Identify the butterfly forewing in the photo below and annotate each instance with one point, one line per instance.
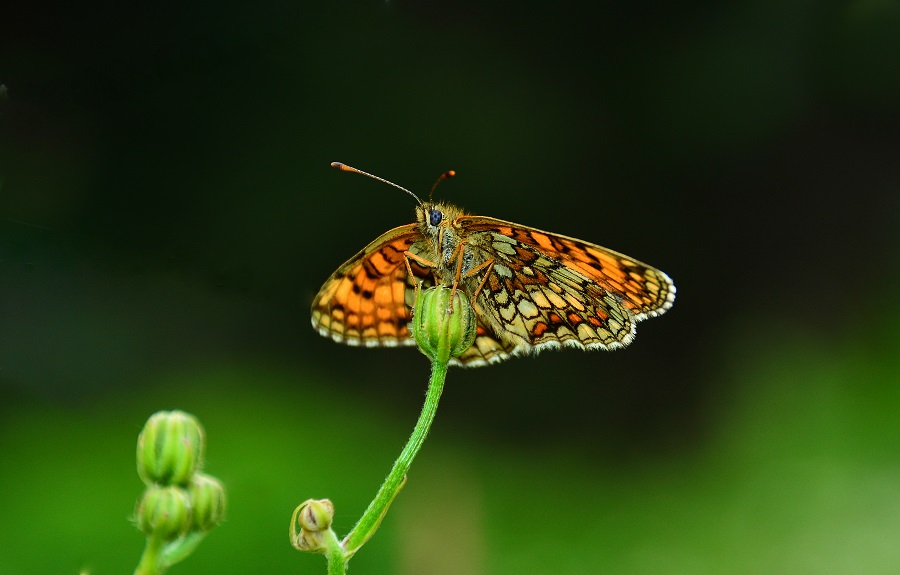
(537, 301)
(368, 300)
(644, 290)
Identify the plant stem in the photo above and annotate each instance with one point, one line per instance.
(372, 517)
(149, 563)
(337, 559)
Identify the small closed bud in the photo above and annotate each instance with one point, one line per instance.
(207, 502)
(311, 526)
(169, 448)
(443, 326)
(164, 512)
(316, 515)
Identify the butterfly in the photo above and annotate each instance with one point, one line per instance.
(532, 290)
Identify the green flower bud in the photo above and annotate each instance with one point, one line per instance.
(169, 448)
(311, 525)
(207, 502)
(164, 512)
(443, 327)
(316, 515)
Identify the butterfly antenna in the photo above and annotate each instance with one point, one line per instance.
(446, 175)
(346, 168)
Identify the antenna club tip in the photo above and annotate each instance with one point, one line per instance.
(338, 165)
(451, 173)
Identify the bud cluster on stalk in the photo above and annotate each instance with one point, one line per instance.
(179, 498)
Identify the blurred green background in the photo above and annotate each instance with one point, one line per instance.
(167, 213)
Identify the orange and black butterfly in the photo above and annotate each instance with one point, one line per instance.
(531, 290)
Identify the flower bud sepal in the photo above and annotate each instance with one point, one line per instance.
(444, 323)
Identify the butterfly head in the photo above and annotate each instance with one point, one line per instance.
(433, 215)
(437, 221)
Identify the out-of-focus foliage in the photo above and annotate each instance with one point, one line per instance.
(167, 213)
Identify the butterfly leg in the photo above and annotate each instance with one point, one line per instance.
(458, 254)
(408, 255)
(489, 264)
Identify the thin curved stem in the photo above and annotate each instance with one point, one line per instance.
(371, 519)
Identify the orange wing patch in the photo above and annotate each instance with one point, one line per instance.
(367, 300)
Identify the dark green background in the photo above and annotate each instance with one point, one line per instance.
(167, 213)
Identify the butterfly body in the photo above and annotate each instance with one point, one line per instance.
(531, 290)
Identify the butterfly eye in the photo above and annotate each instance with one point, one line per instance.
(435, 217)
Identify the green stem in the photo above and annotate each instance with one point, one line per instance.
(372, 517)
(337, 559)
(149, 563)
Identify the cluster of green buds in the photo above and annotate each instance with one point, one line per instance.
(180, 504)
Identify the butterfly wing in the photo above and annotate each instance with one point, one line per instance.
(368, 300)
(543, 291)
(547, 290)
(487, 348)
